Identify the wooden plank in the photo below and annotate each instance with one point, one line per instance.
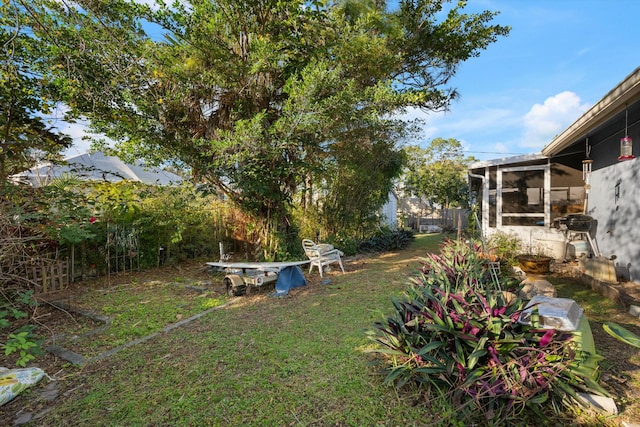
(262, 266)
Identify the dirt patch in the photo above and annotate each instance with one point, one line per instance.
(620, 369)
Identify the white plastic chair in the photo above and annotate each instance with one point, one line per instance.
(321, 255)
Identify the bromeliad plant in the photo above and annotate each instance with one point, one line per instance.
(456, 333)
(462, 265)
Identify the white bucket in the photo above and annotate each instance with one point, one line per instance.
(553, 248)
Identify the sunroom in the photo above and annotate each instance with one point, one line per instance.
(529, 196)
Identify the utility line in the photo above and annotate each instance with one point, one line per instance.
(492, 152)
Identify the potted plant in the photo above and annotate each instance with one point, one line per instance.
(535, 260)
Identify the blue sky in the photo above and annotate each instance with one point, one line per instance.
(561, 57)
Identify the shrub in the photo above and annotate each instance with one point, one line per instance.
(18, 336)
(456, 334)
(505, 246)
(386, 240)
(346, 244)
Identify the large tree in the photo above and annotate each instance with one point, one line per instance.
(27, 96)
(261, 97)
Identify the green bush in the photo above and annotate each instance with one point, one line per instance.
(455, 333)
(346, 244)
(18, 337)
(385, 240)
(505, 246)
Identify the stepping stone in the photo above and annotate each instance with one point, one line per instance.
(23, 419)
(68, 355)
(601, 403)
(50, 392)
(537, 286)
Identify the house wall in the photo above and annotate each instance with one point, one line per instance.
(390, 212)
(614, 197)
(614, 203)
(548, 241)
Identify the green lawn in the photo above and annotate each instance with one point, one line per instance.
(293, 361)
(264, 361)
(138, 310)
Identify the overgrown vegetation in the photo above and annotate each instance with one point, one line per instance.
(269, 102)
(456, 333)
(16, 337)
(72, 230)
(108, 227)
(504, 246)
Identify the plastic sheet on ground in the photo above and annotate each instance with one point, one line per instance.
(289, 278)
(15, 381)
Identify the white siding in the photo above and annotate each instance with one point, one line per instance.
(614, 202)
(390, 212)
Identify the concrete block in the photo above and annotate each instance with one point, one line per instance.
(562, 314)
(533, 286)
(600, 403)
(68, 355)
(518, 272)
(600, 268)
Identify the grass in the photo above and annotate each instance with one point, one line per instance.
(137, 310)
(263, 361)
(621, 366)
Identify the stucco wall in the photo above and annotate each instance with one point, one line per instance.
(614, 202)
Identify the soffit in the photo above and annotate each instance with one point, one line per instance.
(615, 102)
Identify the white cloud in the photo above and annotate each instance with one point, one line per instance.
(484, 120)
(500, 148)
(543, 122)
(78, 131)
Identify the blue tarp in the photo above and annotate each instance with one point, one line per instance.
(289, 278)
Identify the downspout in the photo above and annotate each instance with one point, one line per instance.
(482, 178)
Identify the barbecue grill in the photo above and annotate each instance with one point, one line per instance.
(577, 222)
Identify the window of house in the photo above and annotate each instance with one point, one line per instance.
(517, 195)
(522, 195)
(567, 191)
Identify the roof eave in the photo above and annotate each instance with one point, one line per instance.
(507, 161)
(627, 92)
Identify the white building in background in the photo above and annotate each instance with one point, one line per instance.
(97, 167)
(389, 212)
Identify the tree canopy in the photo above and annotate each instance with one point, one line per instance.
(261, 98)
(438, 173)
(27, 95)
